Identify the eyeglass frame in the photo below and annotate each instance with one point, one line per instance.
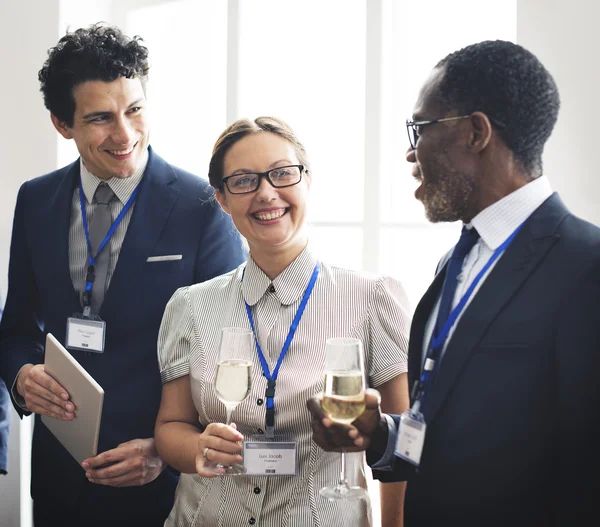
(224, 181)
(410, 126)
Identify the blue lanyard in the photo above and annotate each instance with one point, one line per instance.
(89, 278)
(272, 377)
(436, 344)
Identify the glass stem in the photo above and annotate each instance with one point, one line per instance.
(343, 482)
(229, 410)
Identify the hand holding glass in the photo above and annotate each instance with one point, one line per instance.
(343, 400)
(233, 378)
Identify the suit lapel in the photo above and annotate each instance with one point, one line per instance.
(54, 237)
(153, 206)
(417, 329)
(521, 258)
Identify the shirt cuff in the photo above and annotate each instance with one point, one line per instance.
(386, 461)
(17, 397)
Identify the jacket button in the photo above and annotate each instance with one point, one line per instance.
(251, 521)
(256, 490)
(259, 402)
(261, 431)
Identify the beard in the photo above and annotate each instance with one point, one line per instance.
(447, 195)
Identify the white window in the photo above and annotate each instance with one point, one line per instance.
(343, 73)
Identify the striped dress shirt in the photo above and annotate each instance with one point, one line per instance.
(343, 304)
(78, 251)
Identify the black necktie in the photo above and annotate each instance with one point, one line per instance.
(101, 222)
(468, 238)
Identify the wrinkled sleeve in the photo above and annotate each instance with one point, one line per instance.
(389, 320)
(175, 337)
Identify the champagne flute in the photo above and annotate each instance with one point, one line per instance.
(233, 378)
(343, 400)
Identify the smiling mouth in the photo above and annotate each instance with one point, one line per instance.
(120, 153)
(269, 215)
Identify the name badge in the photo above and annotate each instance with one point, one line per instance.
(270, 458)
(85, 334)
(411, 436)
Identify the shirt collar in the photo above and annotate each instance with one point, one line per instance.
(289, 285)
(122, 187)
(498, 221)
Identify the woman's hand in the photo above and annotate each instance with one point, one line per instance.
(218, 444)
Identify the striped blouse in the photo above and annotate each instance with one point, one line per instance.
(343, 304)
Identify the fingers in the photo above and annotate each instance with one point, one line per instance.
(132, 463)
(228, 433)
(43, 395)
(209, 466)
(219, 444)
(105, 458)
(221, 439)
(372, 399)
(314, 407)
(332, 436)
(127, 473)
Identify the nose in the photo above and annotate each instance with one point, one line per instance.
(265, 191)
(122, 133)
(411, 155)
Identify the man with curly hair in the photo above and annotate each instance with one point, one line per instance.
(103, 243)
(504, 347)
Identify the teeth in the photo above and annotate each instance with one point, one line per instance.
(270, 215)
(121, 152)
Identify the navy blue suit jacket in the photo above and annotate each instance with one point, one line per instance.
(174, 213)
(513, 416)
(4, 420)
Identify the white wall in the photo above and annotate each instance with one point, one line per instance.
(564, 36)
(562, 33)
(27, 149)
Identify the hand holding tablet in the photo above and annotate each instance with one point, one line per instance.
(80, 434)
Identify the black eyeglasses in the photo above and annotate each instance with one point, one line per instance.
(279, 177)
(412, 127)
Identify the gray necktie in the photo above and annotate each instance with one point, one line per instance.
(99, 226)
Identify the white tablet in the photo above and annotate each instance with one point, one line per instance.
(80, 435)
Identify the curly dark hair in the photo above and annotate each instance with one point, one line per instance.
(510, 85)
(98, 52)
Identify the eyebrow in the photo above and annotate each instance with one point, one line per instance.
(271, 167)
(101, 113)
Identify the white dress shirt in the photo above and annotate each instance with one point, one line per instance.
(494, 224)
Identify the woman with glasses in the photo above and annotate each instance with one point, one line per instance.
(292, 302)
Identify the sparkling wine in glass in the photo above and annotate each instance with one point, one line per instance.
(233, 377)
(343, 400)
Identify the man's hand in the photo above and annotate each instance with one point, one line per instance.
(131, 464)
(42, 394)
(332, 436)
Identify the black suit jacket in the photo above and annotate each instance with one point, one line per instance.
(174, 214)
(513, 416)
(4, 420)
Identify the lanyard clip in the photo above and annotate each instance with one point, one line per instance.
(416, 389)
(270, 392)
(270, 423)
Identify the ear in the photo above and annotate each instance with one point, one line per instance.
(222, 199)
(61, 127)
(308, 177)
(481, 131)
